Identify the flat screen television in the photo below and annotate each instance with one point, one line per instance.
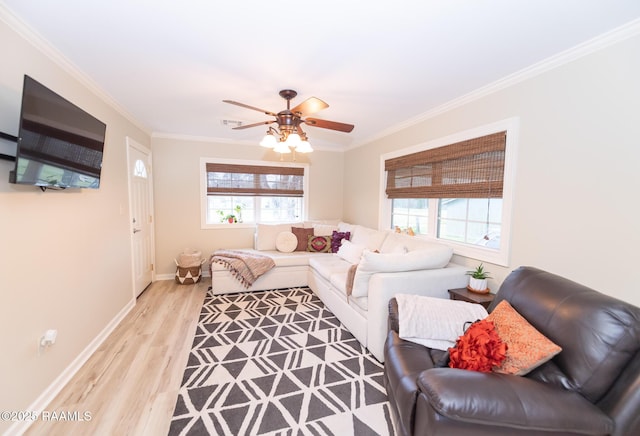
(59, 145)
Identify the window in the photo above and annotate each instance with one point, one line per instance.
(240, 192)
(456, 190)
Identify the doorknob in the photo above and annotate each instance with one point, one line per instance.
(136, 231)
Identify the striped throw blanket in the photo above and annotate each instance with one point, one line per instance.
(245, 266)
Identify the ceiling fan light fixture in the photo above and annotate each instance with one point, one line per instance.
(269, 141)
(293, 140)
(282, 147)
(288, 136)
(304, 147)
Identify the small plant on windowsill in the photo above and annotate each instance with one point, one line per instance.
(478, 280)
(228, 218)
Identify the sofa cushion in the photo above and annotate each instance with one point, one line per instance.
(350, 252)
(399, 242)
(433, 257)
(286, 242)
(504, 404)
(527, 347)
(370, 238)
(266, 235)
(303, 237)
(328, 264)
(323, 229)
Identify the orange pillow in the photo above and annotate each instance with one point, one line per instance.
(527, 348)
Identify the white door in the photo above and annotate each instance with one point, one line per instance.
(141, 207)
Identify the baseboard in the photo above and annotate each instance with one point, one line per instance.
(19, 427)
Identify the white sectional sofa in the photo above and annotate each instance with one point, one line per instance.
(387, 263)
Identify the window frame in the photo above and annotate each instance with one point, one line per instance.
(500, 256)
(203, 188)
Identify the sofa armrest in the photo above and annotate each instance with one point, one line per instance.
(384, 286)
(505, 402)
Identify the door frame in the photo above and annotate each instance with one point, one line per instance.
(132, 143)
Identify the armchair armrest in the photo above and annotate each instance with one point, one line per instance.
(507, 403)
(393, 323)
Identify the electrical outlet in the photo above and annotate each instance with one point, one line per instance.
(48, 339)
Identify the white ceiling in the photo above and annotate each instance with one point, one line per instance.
(377, 63)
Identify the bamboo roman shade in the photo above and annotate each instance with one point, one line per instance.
(254, 180)
(468, 169)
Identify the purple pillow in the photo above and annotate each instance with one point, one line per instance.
(336, 240)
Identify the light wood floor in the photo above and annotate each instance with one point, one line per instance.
(130, 384)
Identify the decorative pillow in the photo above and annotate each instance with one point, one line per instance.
(350, 252)
(479, 349)
(336, 240)
(303, 237)
(434, 322)
(319, 244)
(527, 348)
(286, 242)
(436, 256)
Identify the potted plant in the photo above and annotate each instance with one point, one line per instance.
(478, 280)
(231, 218)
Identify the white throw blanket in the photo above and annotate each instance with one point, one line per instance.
(435, 322)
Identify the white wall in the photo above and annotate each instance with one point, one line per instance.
(65, 258)
(176, 166)
(576, 210)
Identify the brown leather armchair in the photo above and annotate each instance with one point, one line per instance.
(591, 388)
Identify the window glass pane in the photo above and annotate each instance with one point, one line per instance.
(140, 169)
(410, 212)
(475, 221)
(221, 208)
(453, 208)
(280, 209)
(451, 230)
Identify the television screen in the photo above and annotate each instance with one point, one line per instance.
(59, 144)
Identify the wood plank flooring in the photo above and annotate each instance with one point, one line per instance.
(130, 384)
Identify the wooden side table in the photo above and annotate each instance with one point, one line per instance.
(464, 294)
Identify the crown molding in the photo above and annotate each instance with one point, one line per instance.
(47, 49)
(583, 49)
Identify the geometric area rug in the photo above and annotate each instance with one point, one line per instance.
(278, 363)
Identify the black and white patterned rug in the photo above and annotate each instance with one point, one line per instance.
(278, 363)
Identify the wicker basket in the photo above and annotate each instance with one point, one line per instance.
(189, 267)
(188, 275)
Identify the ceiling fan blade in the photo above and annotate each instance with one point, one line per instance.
(325, 124)
(248, 126)
(249, 107)
(309, 106)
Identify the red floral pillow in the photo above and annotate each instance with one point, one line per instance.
(479, 349)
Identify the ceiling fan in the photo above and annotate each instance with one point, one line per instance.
(289, 132)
